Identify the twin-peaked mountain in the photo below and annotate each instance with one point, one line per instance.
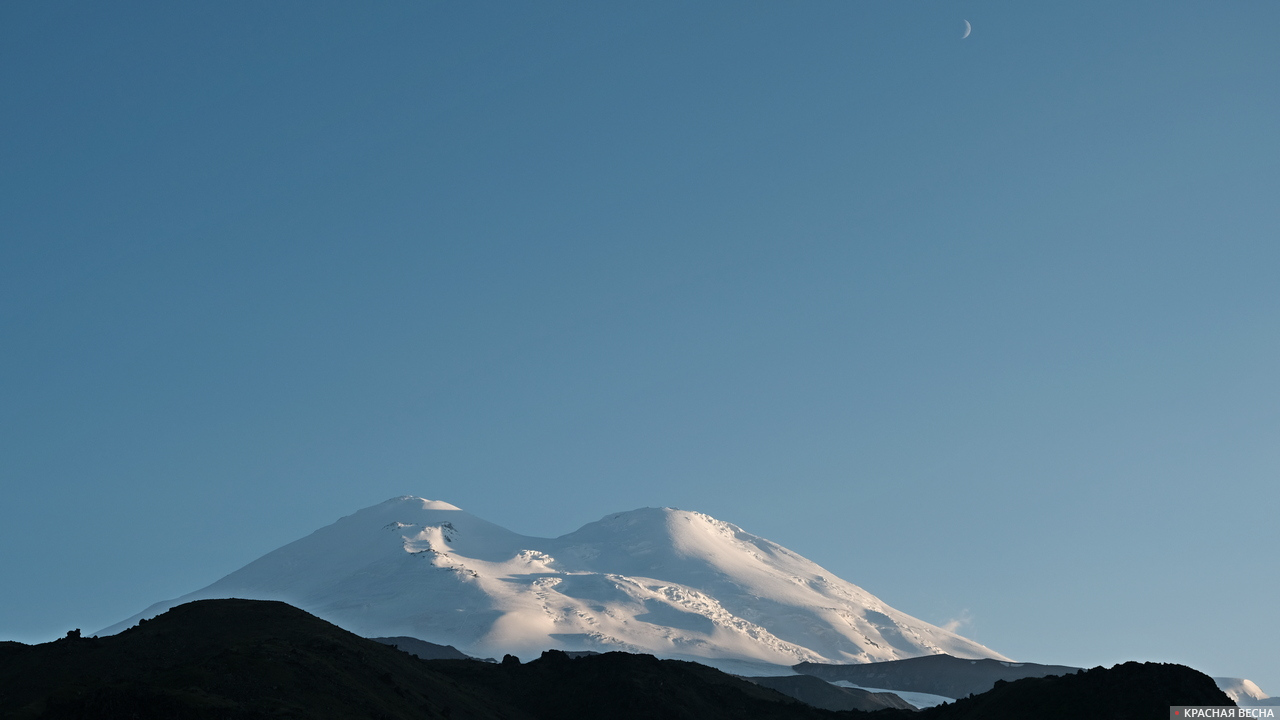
(657, 580)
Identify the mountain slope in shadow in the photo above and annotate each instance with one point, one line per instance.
(943, 675)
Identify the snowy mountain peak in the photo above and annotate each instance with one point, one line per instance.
(670, 582)
(1241, 691)
(648, 523)
(412, 501)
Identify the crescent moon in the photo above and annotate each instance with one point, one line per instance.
(967, 29)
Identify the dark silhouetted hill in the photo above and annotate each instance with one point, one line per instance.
(230, 659)
(258, 659)
(247, 659)
(1132, 691)
(623, 686)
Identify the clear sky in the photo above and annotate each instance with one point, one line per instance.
(988, 326)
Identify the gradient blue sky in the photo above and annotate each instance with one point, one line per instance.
(990, 327)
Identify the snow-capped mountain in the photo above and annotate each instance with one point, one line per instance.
(1244, 692)
(656, 580)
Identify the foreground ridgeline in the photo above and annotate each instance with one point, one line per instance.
(262, 659)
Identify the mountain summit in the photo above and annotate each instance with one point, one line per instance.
(656, 580)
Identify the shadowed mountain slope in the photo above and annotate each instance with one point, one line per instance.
(822, 694)
(424, 650)
(934, 674)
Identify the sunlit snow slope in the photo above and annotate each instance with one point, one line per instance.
(1243, 692)
(656, 580)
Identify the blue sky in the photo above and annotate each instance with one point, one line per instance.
(987, 326)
